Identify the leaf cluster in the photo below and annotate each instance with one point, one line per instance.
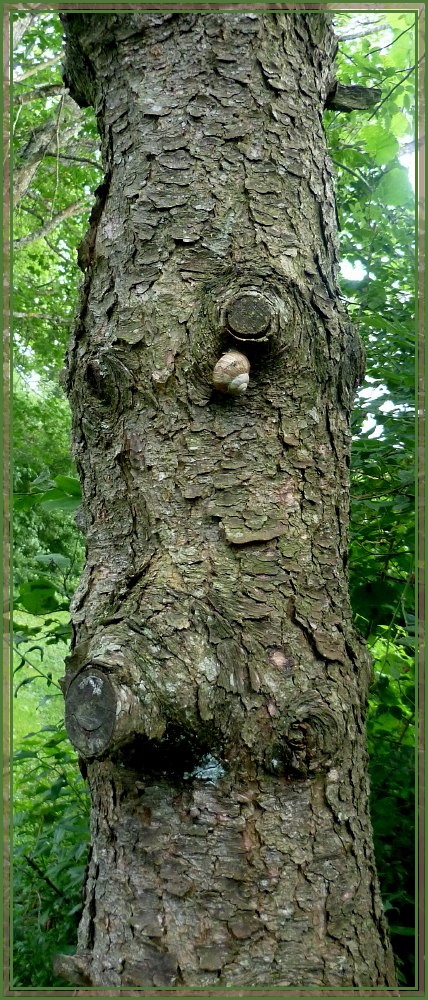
(376, 209)
(56, 168)
(51, 830)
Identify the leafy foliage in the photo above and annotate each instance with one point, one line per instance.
(377, 228)
(377, 233)
(50, 853)
(56, 168)
(391, 743)
(42, 463)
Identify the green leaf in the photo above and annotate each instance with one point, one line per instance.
(24, 754)
(21, 664)
(65, 498)
(394, 188)
(65, 503)
(38, 596)
(24, 683)
(381, 144)
(400, 124)
(53, 558)
(69, 485)
(25, 501)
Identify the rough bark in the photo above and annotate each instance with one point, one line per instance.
(353, 98)
(216, 688)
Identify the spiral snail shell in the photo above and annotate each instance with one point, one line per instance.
(231, 373)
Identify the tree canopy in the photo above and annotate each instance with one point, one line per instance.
(56, 167)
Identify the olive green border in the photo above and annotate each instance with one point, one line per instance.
(6, 505)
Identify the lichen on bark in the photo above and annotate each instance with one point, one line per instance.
(224, 686)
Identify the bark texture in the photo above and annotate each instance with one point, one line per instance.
(216, 688)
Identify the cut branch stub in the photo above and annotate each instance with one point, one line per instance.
(249, 317)
(355, 98)
(100, 715)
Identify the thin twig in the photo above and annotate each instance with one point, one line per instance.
(77, 159)
(40, 872)
(353, 172)
(388, 95)
(55, 250)
(33, 666)
(382, 47)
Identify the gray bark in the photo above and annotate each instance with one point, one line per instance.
(216, 688)
(353, 98)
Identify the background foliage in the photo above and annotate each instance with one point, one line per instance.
(56, 169)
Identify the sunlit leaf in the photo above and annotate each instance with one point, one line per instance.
(394, 188)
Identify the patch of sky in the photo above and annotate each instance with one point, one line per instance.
(353, 272)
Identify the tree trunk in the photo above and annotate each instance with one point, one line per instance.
(216, 688)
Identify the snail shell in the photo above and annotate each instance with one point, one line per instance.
(231, 373)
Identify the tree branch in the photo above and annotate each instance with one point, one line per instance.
(37, 234)
(77, 159)
(32, 155)
(45, 878)
(36, 148)
(356, 98)
(21, 181)
(45, 91)
(38, 68)
(371, 29)
(20, 27)
(22, 24)
(409, 147)
(46, 316)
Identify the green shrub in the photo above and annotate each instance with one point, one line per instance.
(391, 744)
(51, 832)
